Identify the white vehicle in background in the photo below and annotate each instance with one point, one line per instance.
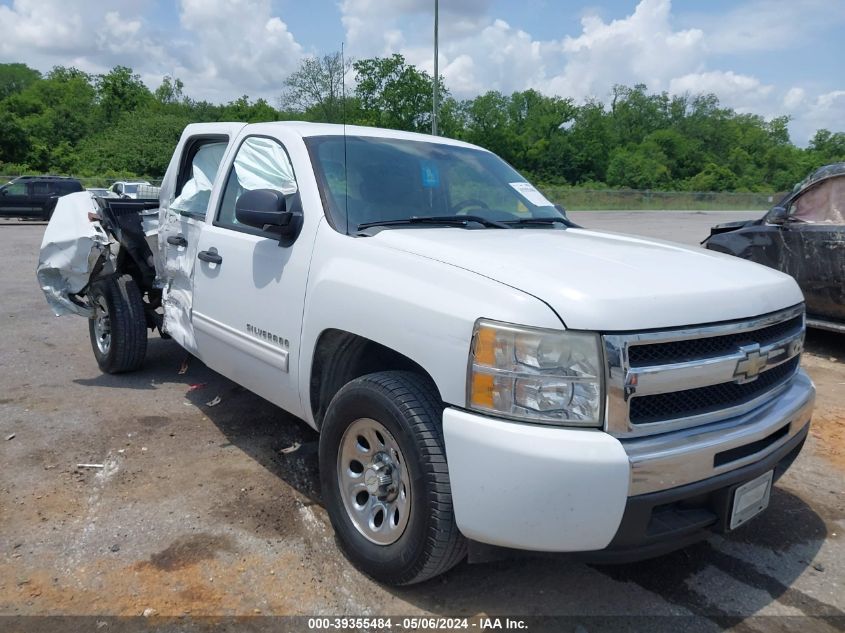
(135, 190)
(482, 371)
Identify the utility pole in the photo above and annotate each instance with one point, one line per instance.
(435, 95)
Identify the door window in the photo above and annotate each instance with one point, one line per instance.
(15, 189)
(822, 204)
(261, 163)
(41, 188)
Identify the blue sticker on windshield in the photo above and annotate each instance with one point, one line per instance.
(430, 174)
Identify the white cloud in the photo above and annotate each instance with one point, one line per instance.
(793, 98)
(744, 92)
(241, 48)
(225, 47)
(479, 52)
(640, 48)
(809, 114)
(766, 25)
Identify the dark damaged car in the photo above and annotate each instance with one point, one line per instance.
(803, 236)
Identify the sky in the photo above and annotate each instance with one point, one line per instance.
(768, 57)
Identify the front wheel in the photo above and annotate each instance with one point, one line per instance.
(118, 329)
(385, 481)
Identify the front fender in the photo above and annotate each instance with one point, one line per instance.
(419, 307)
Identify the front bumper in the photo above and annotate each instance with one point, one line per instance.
(540, 488)
(660, 522)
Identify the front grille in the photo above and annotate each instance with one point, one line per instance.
(681, 404)
(700, 348)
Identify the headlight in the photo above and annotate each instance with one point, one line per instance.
(550, 376)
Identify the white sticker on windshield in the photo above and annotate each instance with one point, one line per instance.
(530, 193)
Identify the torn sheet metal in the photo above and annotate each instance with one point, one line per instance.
(71, 246)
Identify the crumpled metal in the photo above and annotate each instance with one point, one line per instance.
(71, 246)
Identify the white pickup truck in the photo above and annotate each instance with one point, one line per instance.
(482, 371)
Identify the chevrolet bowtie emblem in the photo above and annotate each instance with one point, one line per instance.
(749, 367)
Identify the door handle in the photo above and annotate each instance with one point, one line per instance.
(210, 256)
(177, 240)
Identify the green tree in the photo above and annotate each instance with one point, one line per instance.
(637, 169)
(827, 147)
(394, 94)
(169, 91)
(14, 140)
(316, 88)
(15, 78)
(120, 90)
(713, 178)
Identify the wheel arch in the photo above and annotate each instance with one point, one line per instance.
(341, 356)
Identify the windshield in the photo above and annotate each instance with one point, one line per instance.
(397, 179)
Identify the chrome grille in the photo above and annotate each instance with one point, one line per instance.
(666, 380)
(677, 351)
(665, 406)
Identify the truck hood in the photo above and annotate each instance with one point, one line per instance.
(607, 281)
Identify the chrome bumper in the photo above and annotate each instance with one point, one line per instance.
(681, 457)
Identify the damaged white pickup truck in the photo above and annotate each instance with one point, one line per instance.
(482, 372)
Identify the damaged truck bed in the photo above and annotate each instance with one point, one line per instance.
(94, 237)
(803, 236)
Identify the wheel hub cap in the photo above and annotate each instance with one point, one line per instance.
(374, 481)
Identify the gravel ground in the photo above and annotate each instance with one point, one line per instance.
(199, 510)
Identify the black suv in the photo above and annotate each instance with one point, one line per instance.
(34, 197)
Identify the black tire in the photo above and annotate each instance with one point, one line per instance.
(409, 408)
(120, 299)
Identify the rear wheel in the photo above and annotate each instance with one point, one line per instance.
(385, 481)
(118, 329)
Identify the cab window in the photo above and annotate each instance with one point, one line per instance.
(823, 203)
(260, 163)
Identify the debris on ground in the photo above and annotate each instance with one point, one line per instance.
(183, 368)
(149, 612)
(10, 436)
(196, 386)
(290, 449)
(90, 465)
(115, 548)
(213, 403)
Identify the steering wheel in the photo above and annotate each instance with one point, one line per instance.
(458, 209)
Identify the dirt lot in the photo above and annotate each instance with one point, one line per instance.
(198, 509)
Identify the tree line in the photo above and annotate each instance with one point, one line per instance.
(113, 125)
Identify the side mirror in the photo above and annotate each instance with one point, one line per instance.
(271, 211)
(777, 215)
(561, 210)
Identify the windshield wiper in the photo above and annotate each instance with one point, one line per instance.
(528, 221)
(448, 220)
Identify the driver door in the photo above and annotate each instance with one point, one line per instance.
(248, 290)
